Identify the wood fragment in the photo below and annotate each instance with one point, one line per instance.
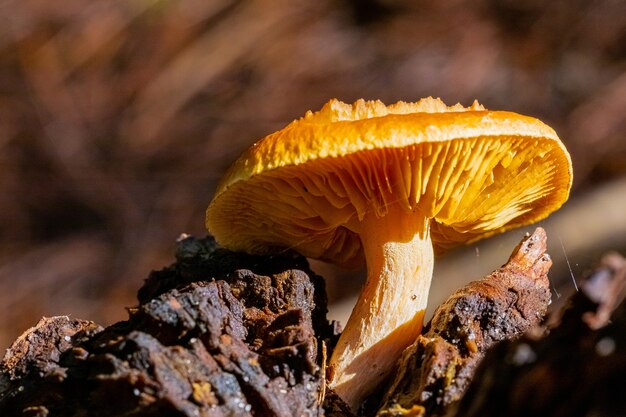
(435, 371)
(576, 370)
(238, 343)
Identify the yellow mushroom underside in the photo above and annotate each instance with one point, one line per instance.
(469, 187)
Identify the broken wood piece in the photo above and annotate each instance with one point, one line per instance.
(576, 370)
(434, 372)
(212, 336)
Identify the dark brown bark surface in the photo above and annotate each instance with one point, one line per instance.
(215, 334)
(578, 369)
(225, 334)
(435, 371)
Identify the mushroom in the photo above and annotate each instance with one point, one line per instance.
(391, 184)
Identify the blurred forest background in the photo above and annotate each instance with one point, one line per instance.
(118, 117)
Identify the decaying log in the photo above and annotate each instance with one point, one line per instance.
(435, 371)
(215, 334)
(576, 370)
(225, 334)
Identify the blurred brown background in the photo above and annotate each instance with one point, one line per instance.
(118, 117)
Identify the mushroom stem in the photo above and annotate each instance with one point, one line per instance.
(389, 313)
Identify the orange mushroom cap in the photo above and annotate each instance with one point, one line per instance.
(473, 172)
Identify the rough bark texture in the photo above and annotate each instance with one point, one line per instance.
(435, 371)
(215, 334)
(576, 370)
(224, 334)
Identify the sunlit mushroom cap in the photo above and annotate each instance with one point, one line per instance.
(473, 172)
